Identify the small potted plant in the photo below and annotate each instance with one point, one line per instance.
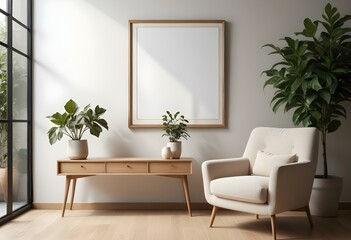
(175, 128)
(74, 123)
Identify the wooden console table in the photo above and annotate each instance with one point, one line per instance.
(74, 169)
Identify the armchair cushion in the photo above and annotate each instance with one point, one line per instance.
(266, 161)
(252, 189)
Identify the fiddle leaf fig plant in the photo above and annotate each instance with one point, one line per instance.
(313, 77)
(174, 126)
(74, 122)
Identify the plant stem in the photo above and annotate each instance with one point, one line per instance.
(69, 133)
(324, 141)
(324, 144)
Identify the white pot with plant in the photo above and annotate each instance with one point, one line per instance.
(175, 127)
(74, 123)
(313, 79)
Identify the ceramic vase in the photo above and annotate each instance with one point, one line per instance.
(176, 149)
(77, 149)
(166, 153)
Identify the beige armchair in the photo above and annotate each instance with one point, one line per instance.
(275, 174)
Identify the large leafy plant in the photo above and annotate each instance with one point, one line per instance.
(174, 126)
(74, 122)
(313, 79)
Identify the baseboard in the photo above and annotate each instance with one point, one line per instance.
(141, 206)
(124, 206)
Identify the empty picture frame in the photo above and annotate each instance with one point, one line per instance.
(176, 65)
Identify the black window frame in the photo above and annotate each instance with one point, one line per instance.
(10, 121)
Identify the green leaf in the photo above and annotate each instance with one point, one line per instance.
(306, 121)
(329, 10)
(278, 104)
(103, 123)
(71, 106)
(99, 111)
(333, 125)
(297, 115)
(315, 84)
(95, 130)
(304, 86)
(316, 115)
(52, 135)
(272, 81)
(296, 84)
(325, 96)
(311, 98)
(310, 28)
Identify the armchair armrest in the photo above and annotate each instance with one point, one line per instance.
(213, 169)
(290, 186)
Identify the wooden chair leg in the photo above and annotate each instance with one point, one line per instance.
(213, 215)
(274, 227)
(307, 209)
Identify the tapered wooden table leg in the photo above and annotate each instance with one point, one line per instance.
(186, 193)
(73, 192)
(68, 181)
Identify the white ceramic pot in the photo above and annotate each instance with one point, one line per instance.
(176, 149)
(166, 153)
(325, 196)
(77, 149)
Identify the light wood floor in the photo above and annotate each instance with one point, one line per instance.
(169, 225)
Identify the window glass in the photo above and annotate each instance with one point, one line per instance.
(19, 86)
(20, 10)
(3, 168)
(20, 165)
(3, 5)
(19, 37)
(3, 83)
(3, 28)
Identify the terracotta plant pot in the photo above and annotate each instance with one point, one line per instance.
(3, 181)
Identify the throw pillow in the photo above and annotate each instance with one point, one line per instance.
(266, 161)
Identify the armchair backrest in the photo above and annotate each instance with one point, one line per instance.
(300, 141)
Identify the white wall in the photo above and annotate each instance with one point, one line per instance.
(81, 52)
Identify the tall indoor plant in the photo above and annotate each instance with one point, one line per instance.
(175, 127)
(74, 123)
(313, 77)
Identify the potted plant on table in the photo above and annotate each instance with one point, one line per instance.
(74, 123)
(175, 127)
(314, 80)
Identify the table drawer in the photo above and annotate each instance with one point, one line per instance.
(127, 167)
(170, 167)
(66, 167)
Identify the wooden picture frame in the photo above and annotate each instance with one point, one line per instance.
(176, 65)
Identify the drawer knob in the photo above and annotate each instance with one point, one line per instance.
(82, 166)
(129, 166)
